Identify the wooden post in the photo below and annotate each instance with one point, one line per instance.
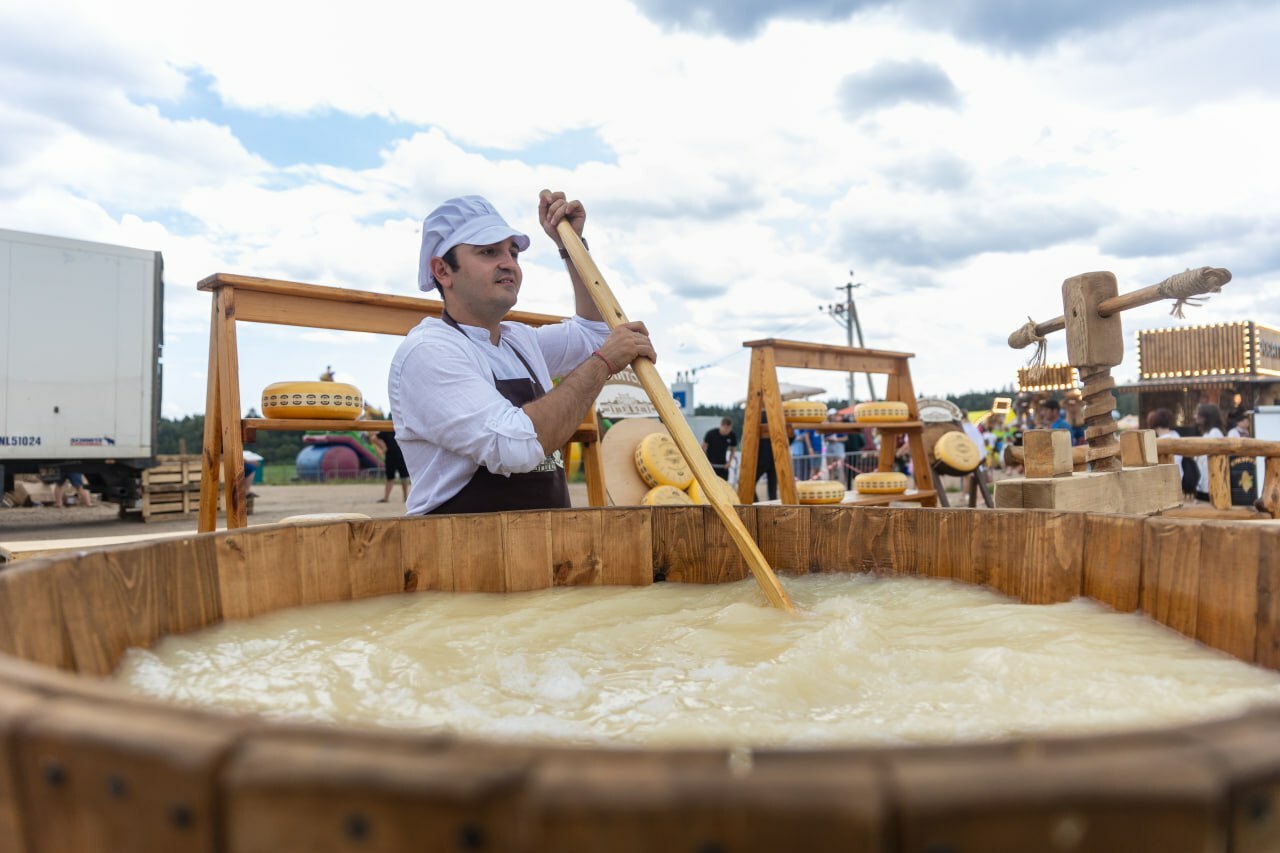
(747, 473)
(1095, 344)
(779, 446)
(1138, 448)
(229, 408)
(211, 456)
(1269, 496)
(1046, 453)
(1220, 480)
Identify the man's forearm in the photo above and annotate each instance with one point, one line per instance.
(557, 414)
(583, 305)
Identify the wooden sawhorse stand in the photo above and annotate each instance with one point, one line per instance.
(238, 298)
(764, 398)
(976, 484)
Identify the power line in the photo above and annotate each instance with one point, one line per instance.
(846, 314)
(693, 371)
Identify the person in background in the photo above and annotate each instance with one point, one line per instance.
(801, 453)
(971, 430)
(1073, 411)
(816, 450)
(765, 466)
(1161, 422)
(1049, 415)
(83, 498)
(393, 464)
(1238, 425)
(720, 445)
(833, 451)
(252, 463)
(993, 437)
(856, 442)
(1209, 421)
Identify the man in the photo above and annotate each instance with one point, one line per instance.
(834, 451)
(83, 498)
(393, 464)
(476, 416)
(719, 445)
(1049, 415)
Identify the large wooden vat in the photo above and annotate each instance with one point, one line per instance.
(86, 767)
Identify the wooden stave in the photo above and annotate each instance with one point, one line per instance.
(533, 798)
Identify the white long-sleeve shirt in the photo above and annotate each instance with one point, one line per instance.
(449, 417)
(1202, 462)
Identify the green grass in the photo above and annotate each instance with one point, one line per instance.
(285, 474)
(278, 475)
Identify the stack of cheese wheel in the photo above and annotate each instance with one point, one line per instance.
(881, 483)
(662, 467)
(665, 496)
(307, 400)
(881, 411)
(819, 491)
(957, 452)
(722, 487)
(804, 412)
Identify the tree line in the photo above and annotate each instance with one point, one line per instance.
(186, 435)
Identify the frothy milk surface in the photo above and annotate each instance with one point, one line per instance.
(865, 660)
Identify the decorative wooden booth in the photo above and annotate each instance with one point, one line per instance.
(87, 768)
(238, 299)
(1127, 479)
(1179, 368)
(763, 398)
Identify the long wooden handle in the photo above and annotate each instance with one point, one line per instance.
(1202, 280)
(689, 446)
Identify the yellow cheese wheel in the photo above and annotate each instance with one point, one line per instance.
(659, 462)
(665, 496)
(957, 451)
(819, 491)
(883, 411)
(881, 483)
(727, 492)
(804, 412)
(327, 400)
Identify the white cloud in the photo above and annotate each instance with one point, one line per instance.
(740, 194)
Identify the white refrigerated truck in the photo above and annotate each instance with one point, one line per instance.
(81, 326)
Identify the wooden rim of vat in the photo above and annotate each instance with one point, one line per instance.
(256, 783)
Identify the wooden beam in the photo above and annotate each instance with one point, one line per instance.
(1197, 446)
(813, 356)
(338, 307)
(1150, 489)
(1091, 492)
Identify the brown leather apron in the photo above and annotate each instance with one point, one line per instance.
(543, 488)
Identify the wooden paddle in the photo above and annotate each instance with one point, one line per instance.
(675, 422)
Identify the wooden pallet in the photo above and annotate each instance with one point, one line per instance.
(171, 490)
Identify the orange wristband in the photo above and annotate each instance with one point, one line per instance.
(600, 356)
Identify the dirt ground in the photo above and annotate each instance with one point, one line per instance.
(30, 524)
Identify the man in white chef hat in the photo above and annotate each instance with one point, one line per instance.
(475, 411)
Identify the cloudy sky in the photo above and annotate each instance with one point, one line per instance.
(738, 158)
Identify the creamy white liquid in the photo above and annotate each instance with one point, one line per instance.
(864, 660)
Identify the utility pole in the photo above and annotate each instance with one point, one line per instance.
(846, 314)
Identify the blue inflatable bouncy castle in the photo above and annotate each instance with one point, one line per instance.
(336, 455)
